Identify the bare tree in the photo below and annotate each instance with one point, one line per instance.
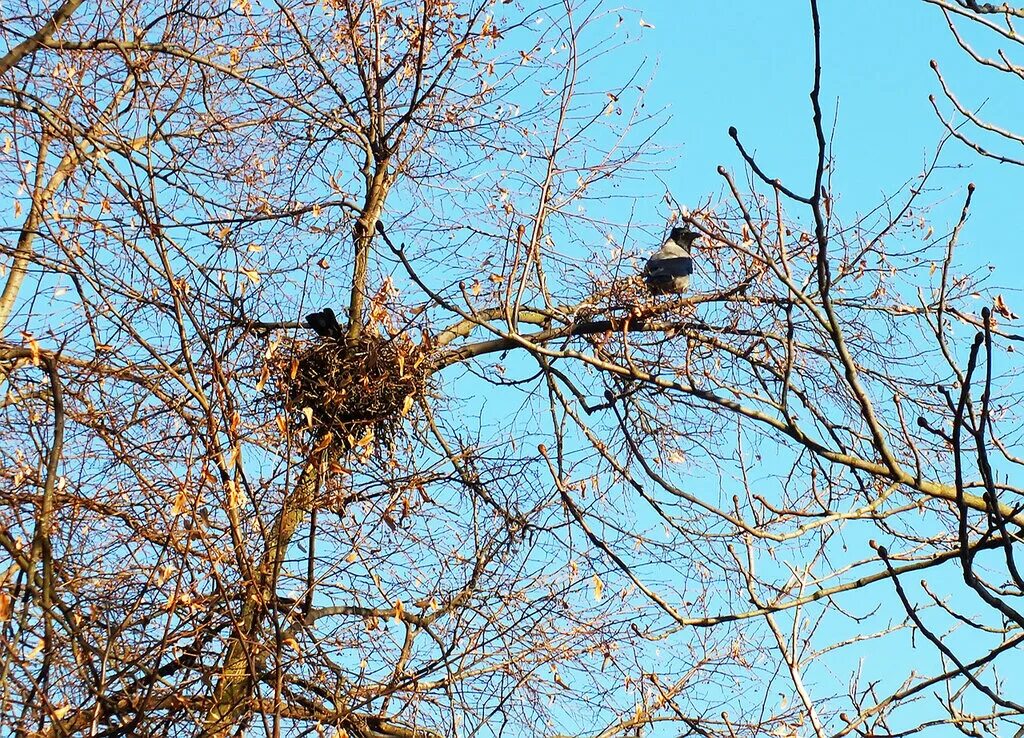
(511, 491)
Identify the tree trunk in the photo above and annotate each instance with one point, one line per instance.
(236, 681)
(377, 188)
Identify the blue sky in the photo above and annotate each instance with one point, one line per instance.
(748, 63)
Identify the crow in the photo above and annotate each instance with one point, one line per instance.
(669, 269)
(325, 324)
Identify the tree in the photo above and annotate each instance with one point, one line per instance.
(517, 493)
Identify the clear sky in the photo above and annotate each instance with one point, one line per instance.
(748, 63)
(713, 64)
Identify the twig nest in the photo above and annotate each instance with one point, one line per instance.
(350, 394)
(628, 291)
(632, 294)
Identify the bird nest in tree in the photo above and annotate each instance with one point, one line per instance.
(628, 292)
(350, 393)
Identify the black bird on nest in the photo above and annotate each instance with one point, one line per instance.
(325, 324)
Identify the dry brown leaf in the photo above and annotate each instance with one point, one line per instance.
(180, 502)
(264, 377)
(999, 305)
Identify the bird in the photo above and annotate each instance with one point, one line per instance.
(324, 323)
(668, 270)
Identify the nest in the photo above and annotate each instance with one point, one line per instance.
(628, 292)
(635, 298)
(350, 394)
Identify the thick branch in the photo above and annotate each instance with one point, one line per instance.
(40, 37)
